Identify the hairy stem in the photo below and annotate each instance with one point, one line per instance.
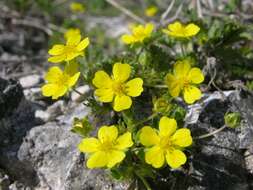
(144, 181)
(145, 120)
(211, 133)
(78, 92)
(156, 86)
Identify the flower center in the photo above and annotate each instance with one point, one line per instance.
(63, 79)
(186, 83)
(69, 48)
(165, 143)
(118, 88)
(106, 145)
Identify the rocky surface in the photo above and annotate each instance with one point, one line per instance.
(218, 162)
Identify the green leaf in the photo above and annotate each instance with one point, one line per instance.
(82, 127)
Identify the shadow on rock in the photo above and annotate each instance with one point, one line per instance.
(16, 119)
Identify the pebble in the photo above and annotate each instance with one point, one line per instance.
(30, 81)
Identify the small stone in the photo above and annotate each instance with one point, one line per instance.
(52, 111)
(249, 161)
(32, 94)
(30, 81)
(43, 115)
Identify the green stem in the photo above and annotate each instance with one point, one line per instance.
(145, 120)
(211, 133)
(144, 181)
(156, 86)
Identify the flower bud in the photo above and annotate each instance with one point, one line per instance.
(232, 119)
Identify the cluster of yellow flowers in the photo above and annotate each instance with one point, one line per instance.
(59, 83)
(165, 144)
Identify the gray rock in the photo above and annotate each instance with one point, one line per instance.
(52, 112)
(218, 162)
(33, 94)
(30, 81)
(52, 151)
(11, 94)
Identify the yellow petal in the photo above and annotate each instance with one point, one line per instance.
(191, 94)
(182, 68)
(54, 74)
(56, 50)
(196, 76)
(122, 103)
(72, 31)
(77, 7)
(115, 157)
(107, 133)
(124, 141)
(97, 160)
(151, 11)
(148, 136)
(176, 29)
(191, 30)
(72, 55)
(83, 44)
(121, 72)
(57, 58)
(155, 157)
(173, 84)
(127, 39)
(148, 29)
(175, 158)
(102, 80)
(138, 31)
(104, 94)
(167, 126)
(73, 40)
(60, 90)
(134, 87)
(182, 137)
(89, 145)
(72, 80)
(48, 89)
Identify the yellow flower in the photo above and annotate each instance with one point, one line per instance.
(167, 143)
(74, 47)
(72, 32)
(116, 89)
(108, 150)
(60, 82)
(77, 7)
(179, 30)
(151, 11)
(184, 79)
(139, 33)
